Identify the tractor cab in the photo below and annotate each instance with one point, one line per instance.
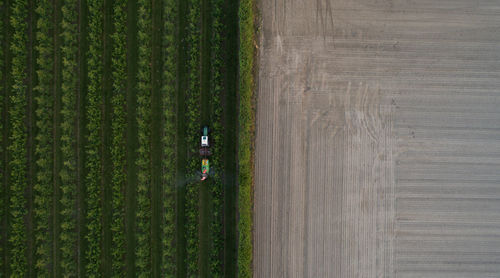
(204, 141)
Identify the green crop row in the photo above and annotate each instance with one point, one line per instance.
(2, 99)
(67, 236)
(44, 138)
(193, 127)
(18, 139)
(169, 136)
(118, 123)
(216, 227)
(143, 214)
(93, 149)
(246, 131)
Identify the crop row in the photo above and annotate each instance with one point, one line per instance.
(193, 126)
(143, 213)
(246, 131)
(68, 138)
(18, 139)
(118, 123)
(93, 149)
(216, 227)
(2, 99)
(44, 140)
(169, 136)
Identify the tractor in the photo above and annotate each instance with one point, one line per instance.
(204, 153)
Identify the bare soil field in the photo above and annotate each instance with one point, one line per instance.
(378, 139)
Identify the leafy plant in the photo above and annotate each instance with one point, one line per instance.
(93, 163)
(2, 99)
(216, 226)
(143, 213)
(18, 139)
(118, 124)
(169, 136)
(44, 139)
(68, 137)
(193, 120)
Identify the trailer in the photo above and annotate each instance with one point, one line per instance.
(205, 169)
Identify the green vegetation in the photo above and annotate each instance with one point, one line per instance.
(131, 139)
(216, 225)
(17, 140)
(143, 213)
(93, 147)
(246, 131)
(169, 137)
(118, 124)
(230, 123)
(2, 99)
(44, 140)
(68, 236)
(181, 144)
(120, 91)
(193, 127)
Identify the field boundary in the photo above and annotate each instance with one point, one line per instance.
(246, 136)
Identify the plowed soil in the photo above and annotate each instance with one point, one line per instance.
(378, 139)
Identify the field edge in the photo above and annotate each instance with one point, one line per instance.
(246, 119)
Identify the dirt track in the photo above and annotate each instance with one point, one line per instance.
(378, 139)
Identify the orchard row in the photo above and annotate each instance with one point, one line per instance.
(101, 107)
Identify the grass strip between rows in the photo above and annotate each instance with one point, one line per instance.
(93, 148)
(216, 225)
(132, 139)
(246, 132)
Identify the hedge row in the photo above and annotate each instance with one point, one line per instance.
(118, 124)
(69, 49)
(18, 139)
(216, 227)
(143, 213)
(169, 136)
(193, 133)
(93, 163)
(44, 139)
(246, 131)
